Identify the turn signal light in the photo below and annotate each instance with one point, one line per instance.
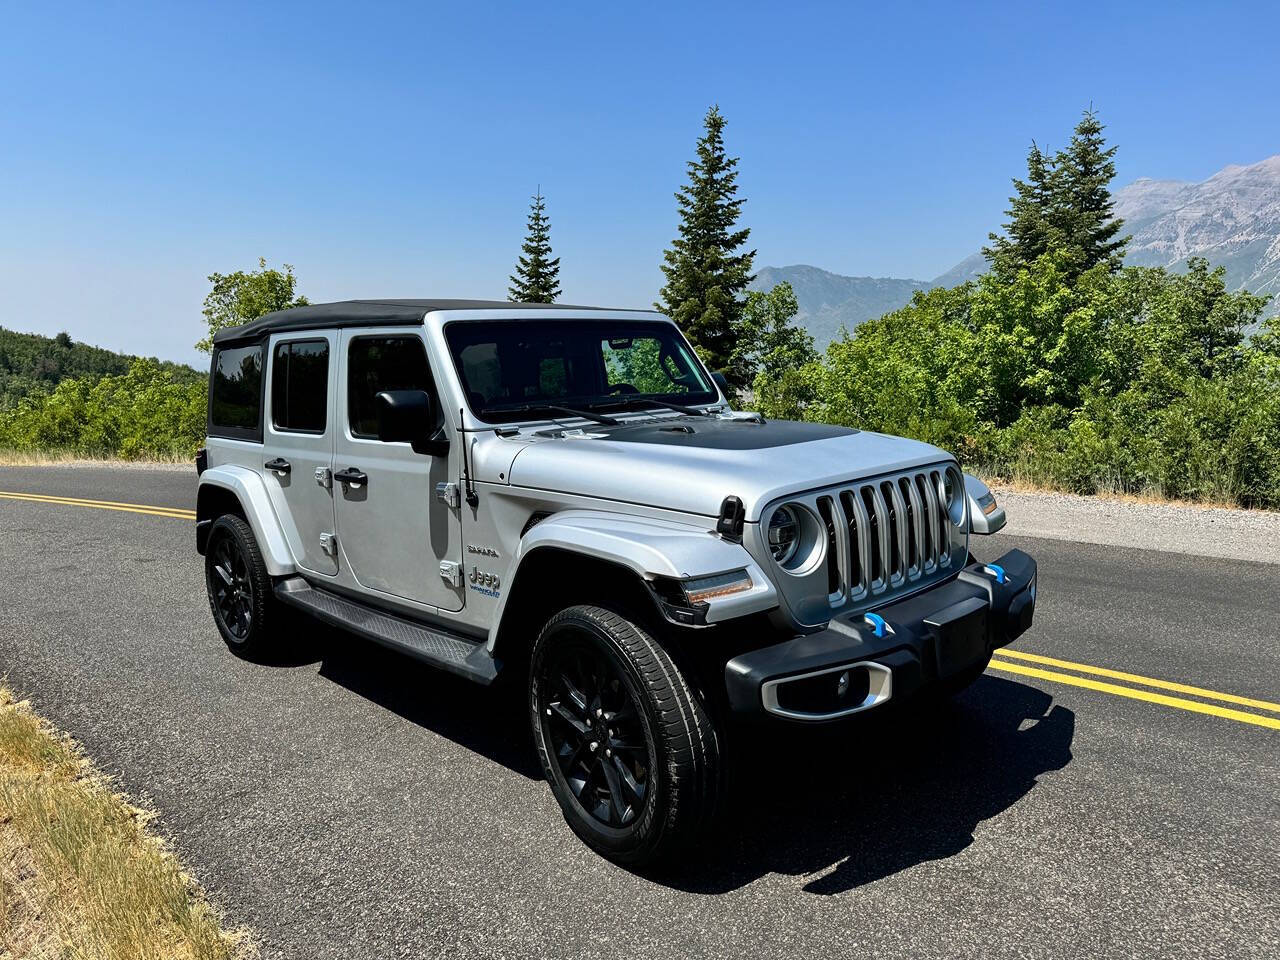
(702, 589)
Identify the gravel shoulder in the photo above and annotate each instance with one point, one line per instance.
(1166, 527)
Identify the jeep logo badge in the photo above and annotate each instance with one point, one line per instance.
(483, 580)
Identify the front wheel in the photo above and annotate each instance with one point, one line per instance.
(632, 755)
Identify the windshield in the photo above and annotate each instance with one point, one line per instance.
(517, 369)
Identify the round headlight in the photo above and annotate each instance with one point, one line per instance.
(953, 496)
(784, 534)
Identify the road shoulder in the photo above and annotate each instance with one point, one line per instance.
(1221, 532)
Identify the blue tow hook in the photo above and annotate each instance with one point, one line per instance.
(876, 622)
(996, 571)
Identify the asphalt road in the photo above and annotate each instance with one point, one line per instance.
(350, 803)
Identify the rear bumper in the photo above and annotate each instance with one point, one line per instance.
(856, 664)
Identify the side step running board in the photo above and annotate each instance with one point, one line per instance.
(440, 648)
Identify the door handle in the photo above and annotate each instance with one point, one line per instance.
(352, 476)
(279, 465)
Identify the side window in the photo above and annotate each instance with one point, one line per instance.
(235, 392)
(300, 385)
(375, 364)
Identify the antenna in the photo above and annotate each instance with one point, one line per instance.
(472, 497)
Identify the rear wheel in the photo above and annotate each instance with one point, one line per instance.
(239, 587)
(632, 755)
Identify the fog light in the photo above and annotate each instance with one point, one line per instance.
(702, 589)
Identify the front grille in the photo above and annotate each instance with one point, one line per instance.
(885, 533)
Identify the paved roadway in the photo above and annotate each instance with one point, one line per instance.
(349, 803)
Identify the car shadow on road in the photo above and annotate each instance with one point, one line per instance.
(854, 803)
(875, 798)
(488, 721)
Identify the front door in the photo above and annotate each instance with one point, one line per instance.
(393, 533)
(298, 442)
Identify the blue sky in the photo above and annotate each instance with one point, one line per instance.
(390, 150)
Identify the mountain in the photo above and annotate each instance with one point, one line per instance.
(1232, 220)
(969, 268)
(829, 301)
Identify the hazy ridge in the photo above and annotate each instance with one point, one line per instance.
(1232, 219)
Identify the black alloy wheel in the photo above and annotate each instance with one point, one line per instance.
(232, 590)
(239, 586)
(591, 723)
(631, 752)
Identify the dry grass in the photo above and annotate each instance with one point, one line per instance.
(62, 458)
(80, 876)
(1019, 483)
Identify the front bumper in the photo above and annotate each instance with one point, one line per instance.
(856, 663)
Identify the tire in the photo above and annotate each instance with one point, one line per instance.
(239, 588)
(591, 667)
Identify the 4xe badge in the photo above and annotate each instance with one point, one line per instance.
(485, 583)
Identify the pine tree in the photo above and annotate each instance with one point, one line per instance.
(1034, 217)
(537, 276)
(1090, 230)
(705, 275)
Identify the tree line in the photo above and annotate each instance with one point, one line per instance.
(1059, 366)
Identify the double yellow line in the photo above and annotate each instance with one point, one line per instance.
(176, 513)
(1007, 661)
(1137, 691)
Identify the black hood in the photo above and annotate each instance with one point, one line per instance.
(716, 434)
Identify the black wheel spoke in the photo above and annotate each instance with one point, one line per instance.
(582, 781)
(634, 787)
(564, 713)
(623, 714)
(620, 805)
(577, 696)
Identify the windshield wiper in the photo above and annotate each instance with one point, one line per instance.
(555, 408)
(677, 407)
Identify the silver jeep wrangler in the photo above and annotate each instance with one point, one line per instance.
(563, 496)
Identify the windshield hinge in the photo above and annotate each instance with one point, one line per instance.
(447, 493)
(451, 570)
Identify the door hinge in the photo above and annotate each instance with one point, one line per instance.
(447, 493)
(324, 477)
(329, 544)
(451, 570)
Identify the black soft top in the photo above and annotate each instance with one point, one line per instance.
(367, 313)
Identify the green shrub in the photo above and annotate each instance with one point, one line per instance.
(147, 413)
(1138, 380)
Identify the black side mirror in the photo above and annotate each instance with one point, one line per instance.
(719, 379)
(408, 416)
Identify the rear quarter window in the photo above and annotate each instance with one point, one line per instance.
(235, 392)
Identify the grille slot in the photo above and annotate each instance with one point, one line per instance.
(884, 534)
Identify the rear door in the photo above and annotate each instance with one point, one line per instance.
(393, 532)
(298, 442)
